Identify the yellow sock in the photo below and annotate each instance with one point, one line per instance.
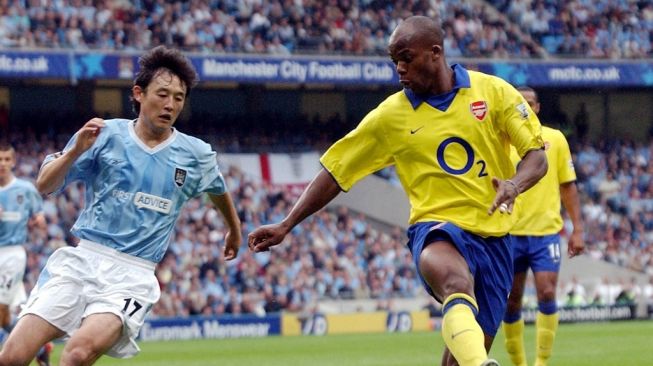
(462, 334)
(546, 326)
(515, 342)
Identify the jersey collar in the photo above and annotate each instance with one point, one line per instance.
(142, 145)
(441, 101)
(11, 181)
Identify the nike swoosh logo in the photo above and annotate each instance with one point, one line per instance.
(462, 331)
(412, 132)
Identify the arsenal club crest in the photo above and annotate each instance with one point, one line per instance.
(180, 177)
(479, 109)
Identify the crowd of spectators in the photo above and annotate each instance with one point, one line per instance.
(337, 254)
(350, 27)
(616, 182)
(280, 27)
(587, 28)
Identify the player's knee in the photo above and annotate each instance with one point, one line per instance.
(514, 305)
(77, 355)
(457, 284)
(547, 294)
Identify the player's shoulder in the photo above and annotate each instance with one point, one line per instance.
(398, 99)
(116, 126)
(394, 106)
(192, 144)
(552, 133)
(485, 79)
(491, 86)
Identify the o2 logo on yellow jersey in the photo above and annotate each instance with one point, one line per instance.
(470, 157)
(479, 109)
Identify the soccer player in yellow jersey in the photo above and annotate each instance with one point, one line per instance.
(536, 242)
(448, 134)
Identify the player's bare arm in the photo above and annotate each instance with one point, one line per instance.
(569, 196)
(53, 173)
(531, 169)
(322, 189)
(233, 238)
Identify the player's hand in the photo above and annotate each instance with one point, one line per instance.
(232, 242)
(504, 200)
(87, 135)
(575, 246)
(261, 239)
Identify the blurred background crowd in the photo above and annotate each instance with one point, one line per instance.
(497, 28)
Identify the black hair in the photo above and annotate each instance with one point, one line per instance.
(525, 88)
(168, 59)
(4, 146)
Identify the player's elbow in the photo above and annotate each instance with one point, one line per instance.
(42, 185)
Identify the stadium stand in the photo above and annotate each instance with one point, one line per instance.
(497, 29)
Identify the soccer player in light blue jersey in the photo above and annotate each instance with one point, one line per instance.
(20, 209)
(138, 174)
(448, 134)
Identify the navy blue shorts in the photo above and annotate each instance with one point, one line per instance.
(541, 253)
(489, 260)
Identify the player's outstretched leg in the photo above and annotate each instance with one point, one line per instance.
(27, 338)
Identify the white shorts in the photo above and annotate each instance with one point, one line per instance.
(90, 279)
(12, 269)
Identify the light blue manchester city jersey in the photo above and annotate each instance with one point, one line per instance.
(19, 201)
(135, 193)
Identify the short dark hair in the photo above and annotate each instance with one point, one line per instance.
(5, 146)
(163, 58)
(526, 88)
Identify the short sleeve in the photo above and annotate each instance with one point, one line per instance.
(361, 152)
(82, 167)
(520, 122)
(211, 179)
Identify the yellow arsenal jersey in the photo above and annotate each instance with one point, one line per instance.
(445, 157)
(539, 208)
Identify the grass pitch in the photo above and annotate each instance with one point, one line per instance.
(609, 343)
